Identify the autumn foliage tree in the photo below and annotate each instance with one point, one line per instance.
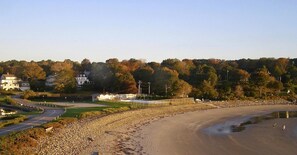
(199, 78)
(34, 74)
(65, 81)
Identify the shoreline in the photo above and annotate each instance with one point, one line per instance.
(112, 134)
(185, 134)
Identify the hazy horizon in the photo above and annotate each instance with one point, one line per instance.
(145, 60)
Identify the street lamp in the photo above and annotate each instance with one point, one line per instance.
(139, 87)
(149, 88)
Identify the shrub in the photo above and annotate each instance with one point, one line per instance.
(60, 123)
(10, 120)
(67, 120)
(115, 110)
(90, 114)
(15, 142)
(55, 125)
(9, 100)
(28, 94)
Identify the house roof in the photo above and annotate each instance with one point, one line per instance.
(8, 75)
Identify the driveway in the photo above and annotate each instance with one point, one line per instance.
(48, 115)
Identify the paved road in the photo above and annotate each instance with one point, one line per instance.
(49, 114)
(77, 104)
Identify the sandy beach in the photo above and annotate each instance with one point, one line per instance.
(187, 134)
(171, 130)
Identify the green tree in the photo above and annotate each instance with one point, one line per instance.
(1, 70)
(239, 92)
(32, 71)
(163, 80)
(65, 82)
(260, 79)
(116, 66)
(181, 88)
(35, 76)
(143, 73)
(208, 91)
(239, 76)
(132, 64)
(125, 83)
(46, 66)
(224, 89)
(204, 73)
(59, 67)
(154, 65)
(181, 67)
(103, 77)
(86, 65)
(275, 86)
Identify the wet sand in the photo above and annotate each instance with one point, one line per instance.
(187, 134)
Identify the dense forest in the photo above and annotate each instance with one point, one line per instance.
(200, 78)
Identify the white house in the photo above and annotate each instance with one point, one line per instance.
(81, 79)
(50, 80)
(9, 81)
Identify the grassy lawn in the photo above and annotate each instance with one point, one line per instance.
(75, 112)
(30, 113)
(2, 98)
(113, 104)
(12, 119)
(111, 107)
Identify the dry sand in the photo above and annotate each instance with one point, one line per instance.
(187, 134)
(152, 131)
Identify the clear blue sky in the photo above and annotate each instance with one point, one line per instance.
(147, 29)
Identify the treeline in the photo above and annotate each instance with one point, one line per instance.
(199, 78)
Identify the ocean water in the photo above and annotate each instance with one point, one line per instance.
(240, 124)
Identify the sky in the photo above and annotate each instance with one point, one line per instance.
(152, 30)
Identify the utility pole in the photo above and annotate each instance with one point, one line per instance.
(149, 88)
(166, 89)
(139, 87)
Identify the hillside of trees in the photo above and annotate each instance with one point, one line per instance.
(200, 78)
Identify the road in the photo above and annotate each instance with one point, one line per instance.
(48, 115)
